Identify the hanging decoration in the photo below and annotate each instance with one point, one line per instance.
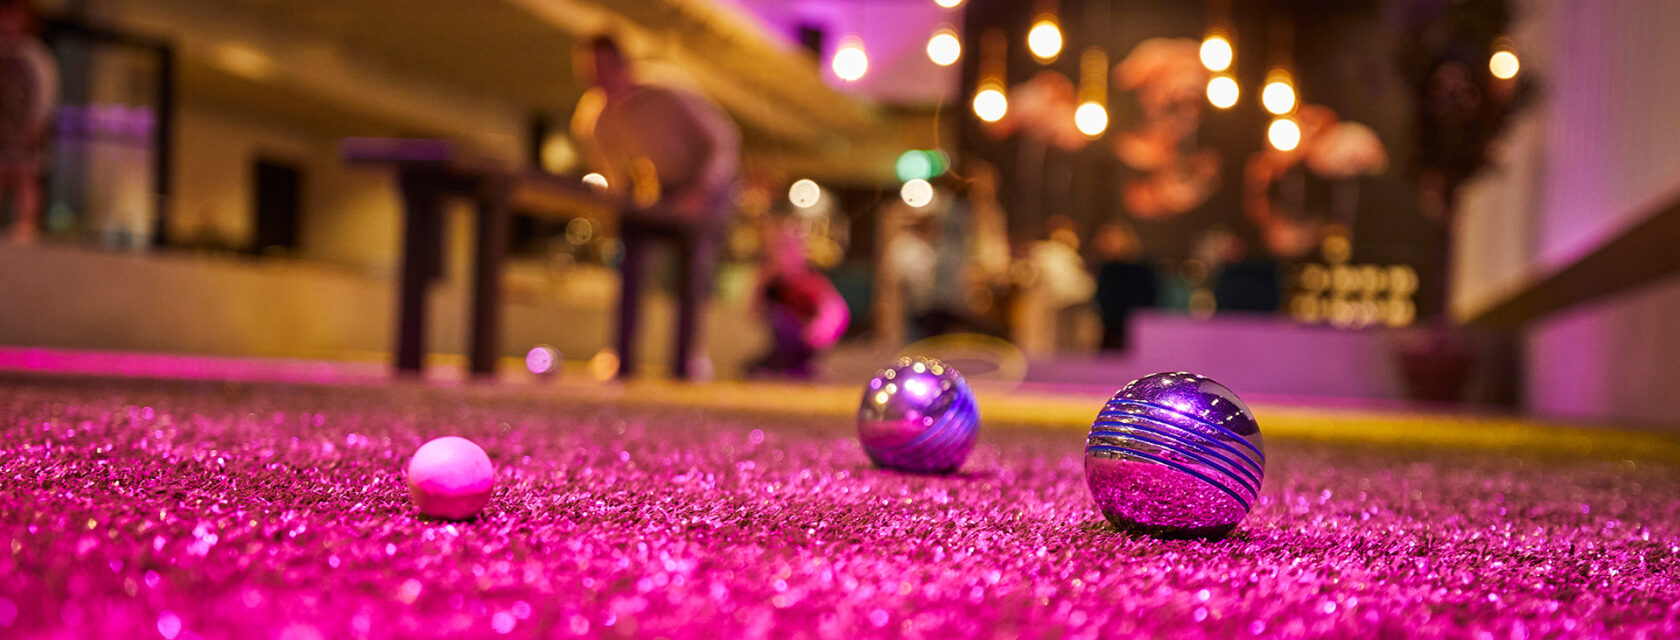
(1176, 175)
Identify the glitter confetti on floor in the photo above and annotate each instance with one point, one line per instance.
(188, 509)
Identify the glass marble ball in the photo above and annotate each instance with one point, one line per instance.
(1175, 455)
(918, 415)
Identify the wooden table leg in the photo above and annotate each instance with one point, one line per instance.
(421, 231)
(494, 213)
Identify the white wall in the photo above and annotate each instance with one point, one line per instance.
(350, 217)
(213, 182)
(1619, 358)
(1599, 152)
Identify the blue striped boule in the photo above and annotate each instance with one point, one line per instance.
(1175, 455)
(918, 415)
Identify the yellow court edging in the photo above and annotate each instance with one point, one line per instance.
(1075, 412)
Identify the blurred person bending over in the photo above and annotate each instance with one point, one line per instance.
(671, 157)
(28, 91)
(806, 314)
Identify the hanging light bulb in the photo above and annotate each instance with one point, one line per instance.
(850, 61)
(944, 48)
(1278, 96)
(1044, 40)
(1504, 65)
(948, 4)
(990, 104)
(804, 193)
(1284, 134)
(1217, 52)
(1222, 91)
(916, 193)
(1091, 118)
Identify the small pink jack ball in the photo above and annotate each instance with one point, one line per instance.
(450, 478)
(544, 361)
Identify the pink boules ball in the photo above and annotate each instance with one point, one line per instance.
(450, 478)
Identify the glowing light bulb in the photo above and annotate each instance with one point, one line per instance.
(1044, 40)
(944, 48)
(595, 181)
(1504, 65)
(1217, 52)
(804, 193)
(916, 193)
(1091, 118)
(990, 104)
(1278, 97)
(1222, 91)
(850, 62)
(1284, 134)
(948, 4)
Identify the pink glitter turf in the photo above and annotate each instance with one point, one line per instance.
(194, 509)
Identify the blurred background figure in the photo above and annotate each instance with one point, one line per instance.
(911, 269)
(1124, 282)
(672, 157)
(28, 92)
(805, 313)
(1064, 286)
(988, 254)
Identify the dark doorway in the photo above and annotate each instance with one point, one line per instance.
(279, 206)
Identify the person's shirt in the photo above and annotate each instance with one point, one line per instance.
(1062, 275)
(28, 90)
(912, 262)
(683, 140)
(990, 251)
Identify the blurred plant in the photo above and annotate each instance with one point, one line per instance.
(1459, 106)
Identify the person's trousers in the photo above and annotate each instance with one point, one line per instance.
(696, 248)
(790, 353)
